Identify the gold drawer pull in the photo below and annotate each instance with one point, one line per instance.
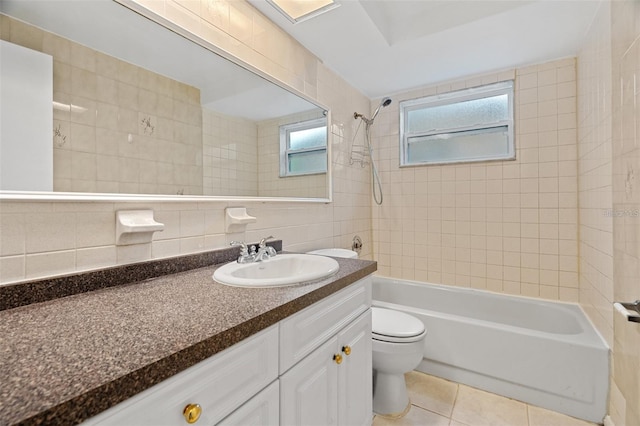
(346, 350)
(337, 358)
(192, 413)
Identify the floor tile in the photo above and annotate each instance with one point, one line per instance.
(416, 417)
(542, 417)
(431, 393)
(476, 407)
(439, 402)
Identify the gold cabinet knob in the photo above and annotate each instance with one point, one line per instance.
(337, 358)
(192, 413)
(346, 350)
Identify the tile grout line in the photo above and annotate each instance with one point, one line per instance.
(455, 400)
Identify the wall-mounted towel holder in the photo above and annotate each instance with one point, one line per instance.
(630, 310)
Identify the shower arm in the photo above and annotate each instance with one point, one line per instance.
(363, 118)
(369, 121)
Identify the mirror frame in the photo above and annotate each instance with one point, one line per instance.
(95, 196)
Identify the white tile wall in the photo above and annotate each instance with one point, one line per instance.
(505, 226)
(269, 182)
(230, 155)
(625, 51)
(608, 113)
(595, 174)
(102, 143)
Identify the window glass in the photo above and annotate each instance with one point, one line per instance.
(459, 146)
(468, 125)
(459, 114)
(308, 138)
(303, 148)
(308, 162)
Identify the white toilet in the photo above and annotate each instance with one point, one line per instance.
(398, 347)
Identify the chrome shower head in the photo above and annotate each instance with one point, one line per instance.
(383, 104)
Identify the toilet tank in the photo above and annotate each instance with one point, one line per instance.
(335, 252)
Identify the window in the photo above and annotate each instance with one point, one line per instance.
(467, 125)
(303, 148)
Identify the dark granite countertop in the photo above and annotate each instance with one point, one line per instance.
(65, 360)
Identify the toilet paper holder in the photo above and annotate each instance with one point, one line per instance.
(631, 310)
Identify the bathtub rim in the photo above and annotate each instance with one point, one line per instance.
(453, 288)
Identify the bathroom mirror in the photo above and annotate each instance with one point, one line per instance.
(141, 110)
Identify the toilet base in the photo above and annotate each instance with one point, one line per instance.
(390, 397)
(396, 416)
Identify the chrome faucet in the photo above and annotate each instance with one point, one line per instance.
(264, 252)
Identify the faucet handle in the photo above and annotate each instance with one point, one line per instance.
(244, 257)
(271, 251)
(243, 247)
(263, 243)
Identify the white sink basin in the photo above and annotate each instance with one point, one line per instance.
(281, 270)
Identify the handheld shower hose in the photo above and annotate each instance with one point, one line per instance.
(376, 186)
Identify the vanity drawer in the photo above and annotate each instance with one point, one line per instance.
(219, 385)
(303, 332)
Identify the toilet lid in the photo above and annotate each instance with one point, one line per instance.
(394, 326)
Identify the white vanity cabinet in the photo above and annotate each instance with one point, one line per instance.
(313, 367)
(332, 385)
(330, 344)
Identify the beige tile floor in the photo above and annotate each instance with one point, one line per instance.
(438, 402)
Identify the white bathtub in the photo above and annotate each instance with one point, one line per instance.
(543, 353)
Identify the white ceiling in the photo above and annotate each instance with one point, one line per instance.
(383, 47)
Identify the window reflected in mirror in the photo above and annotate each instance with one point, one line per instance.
(303, 148)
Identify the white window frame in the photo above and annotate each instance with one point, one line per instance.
(494, 89)
(285, 150)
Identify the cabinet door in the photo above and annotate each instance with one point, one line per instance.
(355, 390)
(308, 390)
(261, 410)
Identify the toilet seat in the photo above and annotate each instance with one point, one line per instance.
(395, 326)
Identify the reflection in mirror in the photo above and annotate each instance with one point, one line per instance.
(138, 109)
